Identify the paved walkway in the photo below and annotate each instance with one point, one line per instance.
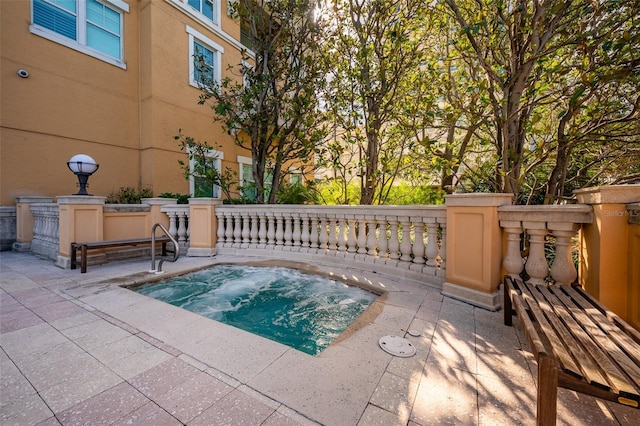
(78, 349)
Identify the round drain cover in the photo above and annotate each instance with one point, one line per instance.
(397, 346)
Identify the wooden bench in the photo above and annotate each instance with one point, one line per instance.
(578, 343)
(85, 247)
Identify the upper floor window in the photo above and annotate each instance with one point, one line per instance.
(205, 59)
(205, 7)
(89, 26)
(202, 175)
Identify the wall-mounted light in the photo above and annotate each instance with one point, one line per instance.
(82, 166)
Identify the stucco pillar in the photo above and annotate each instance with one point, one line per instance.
(81, 220)
(474, 248)
(25, 222)
(204, 226)
(605, 247)
(634, 265)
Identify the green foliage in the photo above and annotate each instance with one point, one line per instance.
(128, 195)
(297, 193)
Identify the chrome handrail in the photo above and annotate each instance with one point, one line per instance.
(176, 248)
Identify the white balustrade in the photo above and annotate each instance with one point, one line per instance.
(178, 222)
(542, 226)
(46, 229)
(374, 234)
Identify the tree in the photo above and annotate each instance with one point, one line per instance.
(374, 56)
(271, 106)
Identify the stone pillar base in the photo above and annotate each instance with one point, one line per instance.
(201, 252)
(22, 247)
(64, 262)
(490, 301)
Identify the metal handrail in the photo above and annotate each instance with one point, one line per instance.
(176, 248)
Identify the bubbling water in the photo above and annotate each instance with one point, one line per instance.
(300, 310)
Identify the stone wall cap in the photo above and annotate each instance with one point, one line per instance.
(126, 208)
(205, 201)
(613, 194)
(478, 200)
(81, 199)
(574, 213)
(159, 201)
(33, 199)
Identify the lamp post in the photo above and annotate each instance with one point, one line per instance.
(82, 166)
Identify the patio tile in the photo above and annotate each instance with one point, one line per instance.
(18, 319)
(277, 419)
(627, 416)
(74, 321)
(13, 386)
(32, 339)
(148, 414)
(129, 356)
(452, 347)
(36, 297)
(46, 366)
(14, 281)
(446, 396)
(190, 398)
(163, 377)
(8, 303)
(236, 409)
(104, 408)
(25, 411)
(95, 334)
(376, 416)
(58, 310)
(396, 394)
(51, 421)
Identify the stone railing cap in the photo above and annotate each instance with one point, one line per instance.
(478, 200)
(33, 199)
(128, 208)
(571, 213)
(614, 194)
(158, 201)
(80, 199)
(205, 201)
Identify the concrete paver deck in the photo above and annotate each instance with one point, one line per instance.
(79, 349)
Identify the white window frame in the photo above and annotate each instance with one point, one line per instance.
(217, 157)
(243, 161)
(195, 35)
(80, 44)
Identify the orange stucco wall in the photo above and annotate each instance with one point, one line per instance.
(124, 118)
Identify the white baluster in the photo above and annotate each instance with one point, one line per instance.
(394, 245)
(563, 271)
(288, 232)
(173, 227)
(253, 235)
(182, 228)
(342, 230)
(271, 230)
(279, 229)
(432, 242)
(324, 238)
(332, 223)
(304, 237)
(351, 236)
(246, 229)
(220, 231)
(296, 230)
(228, 241)
(405, 245)
(513, 262)
(383, 243)
(237, 229)
(262, 233)
(418, 244)
(372, 240)
(536, 265)
(362, 235)
(314, 235)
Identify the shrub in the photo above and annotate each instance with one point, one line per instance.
(128, 195)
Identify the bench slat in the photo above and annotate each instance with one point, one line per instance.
(558, 348)
(626, 364)
(622, 336)
(532, 334)
(590, 368)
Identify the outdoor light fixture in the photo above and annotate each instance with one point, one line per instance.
(82, 166)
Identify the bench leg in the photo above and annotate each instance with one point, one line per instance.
(83, 260)
(74, 262)
(508, 308)
(547, 391)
